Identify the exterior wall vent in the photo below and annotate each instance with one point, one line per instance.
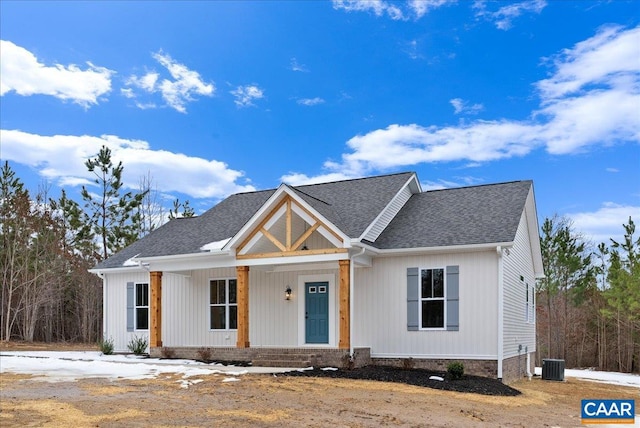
(553, 369)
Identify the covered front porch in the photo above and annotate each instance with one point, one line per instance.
(280, 289)
(291, 315)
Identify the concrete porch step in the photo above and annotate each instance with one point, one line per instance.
(286, 358)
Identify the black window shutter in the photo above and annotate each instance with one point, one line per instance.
(130, 305)
(413, 296)
(453, 298)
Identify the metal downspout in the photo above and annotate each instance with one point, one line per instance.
(500, 310)
(351, 297)
(104, 305)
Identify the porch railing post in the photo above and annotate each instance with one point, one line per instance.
(345, 313)
(155, 339)
(243, 306)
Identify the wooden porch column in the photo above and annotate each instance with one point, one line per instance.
(345, 313)
(243, 306)
(155, 335)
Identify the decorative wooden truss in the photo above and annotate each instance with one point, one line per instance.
(289, 245)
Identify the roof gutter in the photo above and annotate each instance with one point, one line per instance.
(121, 269)
(431, 250)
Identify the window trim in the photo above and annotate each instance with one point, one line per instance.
(443, 299)
(226, 304)
(136, 306)
(529, 302)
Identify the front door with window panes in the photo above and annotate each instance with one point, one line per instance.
(223, 304)
(317, 312)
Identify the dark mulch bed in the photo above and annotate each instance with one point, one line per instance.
(417, 377)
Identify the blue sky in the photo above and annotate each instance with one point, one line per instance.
(212, 98)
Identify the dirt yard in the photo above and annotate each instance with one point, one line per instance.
(268, 400)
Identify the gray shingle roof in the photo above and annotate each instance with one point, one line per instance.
(461, 216)
(356, 203)
(350, 205)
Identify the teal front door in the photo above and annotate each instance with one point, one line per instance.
(316, 312)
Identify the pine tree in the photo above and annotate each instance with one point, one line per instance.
(114, 216)
(569, 275)
(623, 297)
(15, 213)
(187, 210)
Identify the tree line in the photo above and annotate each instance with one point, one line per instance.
(588, 303)
(47, 246)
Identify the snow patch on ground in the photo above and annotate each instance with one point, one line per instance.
(52, 366)
(624, 379)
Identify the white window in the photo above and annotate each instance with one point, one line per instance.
(142, 307)
(432, 298)
(529, 302)
(223, 304)
(531, 294)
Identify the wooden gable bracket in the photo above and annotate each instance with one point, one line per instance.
(286, 207)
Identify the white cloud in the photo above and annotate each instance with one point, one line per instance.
(605, 223)
(411, 49)
(594, 95)
(147, 82)
(61, 158)
(176, 93)
(245, 95)
(127, 92)
(421, 7)
(609, 57)
(20, 71)
(445, 184)
(295, 66)
(297, 179)
(310, 101)
(462, 106)
(614, 170)
(394, 9)
(504, 16)
(579, 108)
(378, 7)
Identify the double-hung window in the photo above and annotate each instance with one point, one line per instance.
(142, 307)
(432, 298)
(529, 302)
(223, 304)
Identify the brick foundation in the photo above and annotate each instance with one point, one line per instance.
(515, 368)
(486, 368)
(270, 357)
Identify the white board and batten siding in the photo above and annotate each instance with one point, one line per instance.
(380, 313)
(273, 320)
(115, 308)
(519, 321)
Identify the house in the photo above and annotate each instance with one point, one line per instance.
(372, 270)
